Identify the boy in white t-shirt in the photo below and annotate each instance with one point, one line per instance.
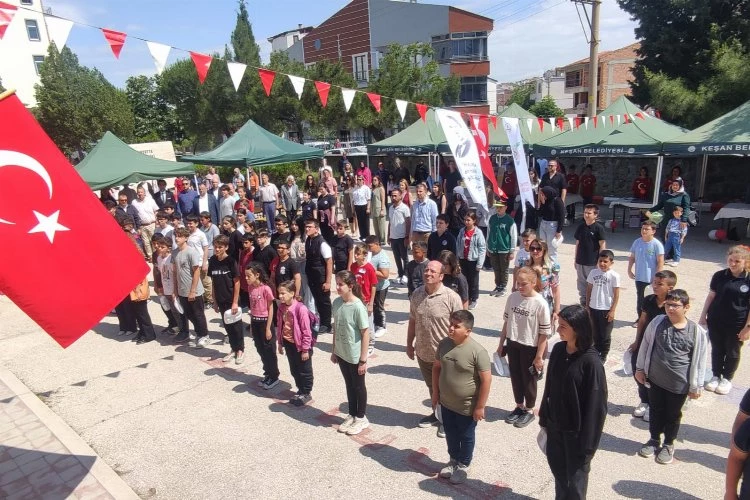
(602, 296)
(165, 268)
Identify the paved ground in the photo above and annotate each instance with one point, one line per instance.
(174, 423)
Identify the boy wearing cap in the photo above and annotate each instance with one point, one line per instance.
(502, 239)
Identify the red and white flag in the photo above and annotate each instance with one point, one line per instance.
(66, 262)
(480, 129)
(7, 11)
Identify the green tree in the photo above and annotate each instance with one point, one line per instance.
(76, 105)
(687, 47)
(546, 107)
(325, 123)
(521, 94)
(286, 107)
(155, 119)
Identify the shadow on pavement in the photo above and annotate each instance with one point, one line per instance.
(397, 371)
(695, 434)
(390, 417)
(621, 445)
(708, 460)
(643, 490)
(36, 474)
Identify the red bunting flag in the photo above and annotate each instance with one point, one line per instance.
(640, 115)
(612, 119)
(577, 121)
(202, 63)
(50, 221)
(493, 119)
(541, 123)
(481, 131)
(266, 77)
(627, 118)
(596, 120)
(422, 110)
(323, 89)
(658, 115)
(116, 40)
(7, 11)
(560, 123)
(375, 100)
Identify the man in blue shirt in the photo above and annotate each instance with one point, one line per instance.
(185, 199)
(424, 214)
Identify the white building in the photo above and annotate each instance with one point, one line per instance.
(284, 40)
(23, 49)
(553, 84)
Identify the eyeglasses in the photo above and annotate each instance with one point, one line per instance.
(673, 306)
(535, 249)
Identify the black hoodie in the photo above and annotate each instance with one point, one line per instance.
(575, 396)
(553, 208)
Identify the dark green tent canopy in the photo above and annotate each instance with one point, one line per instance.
(419, 138)
(253, 145)
(499, 139)
(729, 134)
(113, 163)
(641, 137)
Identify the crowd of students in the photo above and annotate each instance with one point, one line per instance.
(282, 273)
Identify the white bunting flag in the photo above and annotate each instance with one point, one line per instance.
(348, 95)
(552, 122)
(401, 106)
(618, 120)
(58, 30)
(586, 122)
(236, 72)
(298, 83)
(603, 121)
(515, 141)
(632, 117)
(160, 53)
(570, 122)
(530, 124)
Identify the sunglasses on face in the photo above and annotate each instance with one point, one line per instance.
(535, 249)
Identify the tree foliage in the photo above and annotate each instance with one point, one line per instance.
(76, 105)
(154, 118)
(546, 107)
(692, 57)
(522, 93)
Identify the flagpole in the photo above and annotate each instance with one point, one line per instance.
(7, 93)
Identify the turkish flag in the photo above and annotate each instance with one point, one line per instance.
(66, 262)
(480, 129)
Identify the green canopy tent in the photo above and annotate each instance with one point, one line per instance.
(113, 163)
(420, 138)
(499, 139)
(255, 146)
(641, 137)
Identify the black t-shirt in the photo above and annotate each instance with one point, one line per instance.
(651, 308)
(285, 271)
(307, 210)
(458, 284)
(324, 203)
(730, 306)
(451, 181)
(341, 249)
(285, 237)
(223, 273)
(235, 244)
(437, 243)
(745, 403)
(742, 441)
(558, 182)
(265, 256)
(588, 243)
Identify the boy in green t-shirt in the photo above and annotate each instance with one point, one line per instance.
(461, 384)
(502, 238)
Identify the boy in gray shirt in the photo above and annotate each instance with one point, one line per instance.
(189, 292)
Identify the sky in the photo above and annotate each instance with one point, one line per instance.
(529, 36)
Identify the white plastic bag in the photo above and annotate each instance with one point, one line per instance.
(178, 306)
(439, 413)
(501, 365)
(230, 318)
(166, 304)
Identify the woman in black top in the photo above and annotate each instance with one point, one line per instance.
(452, 276)
(725, 312)
(574, 405)
(456, 213)
(311, 187)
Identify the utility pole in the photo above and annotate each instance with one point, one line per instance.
(593, 23)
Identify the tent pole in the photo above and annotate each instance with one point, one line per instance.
(702, 182)
(657, 178)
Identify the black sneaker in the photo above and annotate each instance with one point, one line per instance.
(428, 421)
(510, 419)
(302, 400)
(525, 419)
(495, 292)
(182, 337)
(262, 383)
(649, 448)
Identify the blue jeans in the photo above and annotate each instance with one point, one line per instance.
(673, 243)
(269, 210)
(460, 435)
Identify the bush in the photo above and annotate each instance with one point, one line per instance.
(276, 173)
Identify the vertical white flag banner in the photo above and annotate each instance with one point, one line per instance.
(160, 53)
(348, 95)
(236, 72)
(519, 159)
(298, 83)
(401, 106)
(530, 124)
(465, 153)
(58, 30)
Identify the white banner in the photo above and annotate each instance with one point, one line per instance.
(160, 53)
(298, 83)
(236, 72)
(348, 95)
(58, 30)
(519, 159)
(465, 153)
(401, 106)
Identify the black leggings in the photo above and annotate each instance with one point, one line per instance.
(568, 464)
(725, 350)
(642, 389)
(356, 391)
(666, 413)
(363, 221)
(266, 348)
(602, 332)
(471, 273)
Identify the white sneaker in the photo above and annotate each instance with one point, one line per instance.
(647, 415)
(202, 342)
(358, 426)
(404, 280)
(724, 387)
(640, 410)
(379, 332)
(673, 263)
(712, 384)
(346, 424)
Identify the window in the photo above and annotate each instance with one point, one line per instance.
(316, 44)
(473, 89)
(461, 47)
(573, 79)
(359, 65)
(32, 28)
(295, 38)
(27, 2)
(38, 60)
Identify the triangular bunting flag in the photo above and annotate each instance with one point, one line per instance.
(422, 110)
(552, 123)
(160, 53)
(657, 114)
(493, 119)
(298, 83)
(58, 30)
(596, 120)
(618, 120)
(530, 124)
(236, 72)
(266, 77)
(640, 115)
(116, 40)
(375, 100)
(560, 122)
(586, 122)
(323, 89)
(401, 106)
(570, 122)
(202, 63)
(612, 120)
(348, 95)
(541, 123)
(627, 118)
(7, 11)
(577, 121)
(603, 121)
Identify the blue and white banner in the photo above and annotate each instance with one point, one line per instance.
(519, 159)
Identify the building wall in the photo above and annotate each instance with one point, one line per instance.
(17, 69)
(348, 29)
(405, 23)
(554, 87)
(460, 20)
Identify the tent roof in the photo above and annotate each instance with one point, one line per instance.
(727, 134)
(640, 137)
(499, 142)
(112, 163)
(253, 145)
(421, 137)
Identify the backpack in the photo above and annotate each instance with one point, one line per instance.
(314, 324)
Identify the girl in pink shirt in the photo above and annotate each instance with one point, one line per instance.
(295, 337)
(261, 309)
